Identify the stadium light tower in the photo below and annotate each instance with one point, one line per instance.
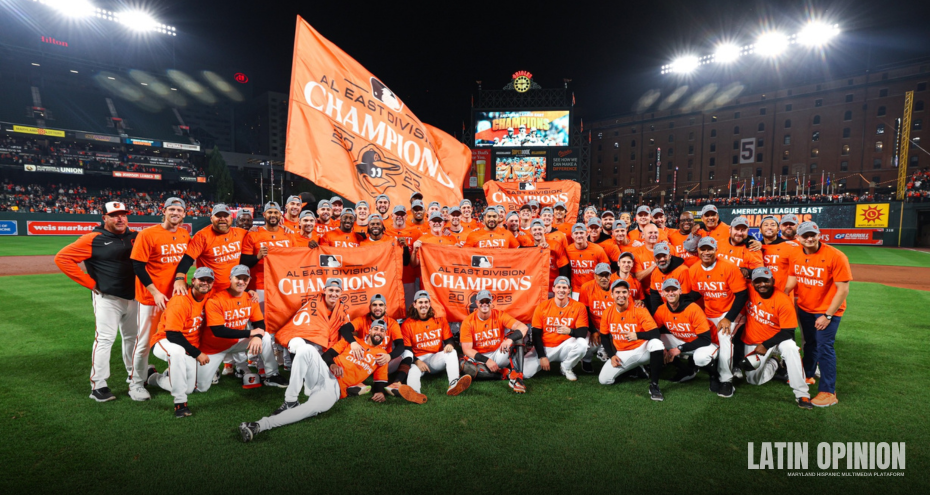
(726, 53)
(818, 34)
(134, 19)
(771, 44)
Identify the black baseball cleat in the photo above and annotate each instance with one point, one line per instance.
(726, 390)
(781, 373)
(275, 380)
(102, 394)
(284, 407)
(805, 403)
(248, 431)
(181, 410)
(587, 367)
(684, 375)
(655, 394)
(714, 383)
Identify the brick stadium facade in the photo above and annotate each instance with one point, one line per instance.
(844, 127)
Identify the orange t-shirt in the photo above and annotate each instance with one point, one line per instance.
(338, 238)
(583, 262)
(817, 274)
(636, 288)
(612, 250)
(677, 239)
(634, 319)
(596, 299)
(355, 371)
(384, 238)
(470, 225)
(231, 312)
(717, 286)
(644, 258)
(548, 316)
(740, 256)
(182, 314)
(254, 242)
(557, 259)
(445, 240)
(321, 228)
(684, 325)
(766, 317)
(721, 233)
(362, 325)
(486, 335)
(301, 241)
(524, 238)
(564, 228)
(461, 236)
(315, 323)
(407, 236)
(161, 251)
(557, 237)
(423, 226)
(425, 336)
(360, 229)
(295, 225)
(637, 235)
(497, 238)
(217, 252)
(777, 257)
(657, 278)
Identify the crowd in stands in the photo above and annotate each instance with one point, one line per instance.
(20, 151)
(918, 187)
(71, 198)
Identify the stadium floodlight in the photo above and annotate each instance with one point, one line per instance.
(771, 44)
(684, 65)
(817, 34)
(71, 8)
(137, 20)
(726, 53)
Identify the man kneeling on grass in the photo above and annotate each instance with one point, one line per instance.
(329, 377)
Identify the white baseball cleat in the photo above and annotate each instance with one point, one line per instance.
(569, 374)
(139, 394)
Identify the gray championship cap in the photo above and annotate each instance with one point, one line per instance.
(203, 272)
(591, 208)
(335, 199)
(324, 204)
(500, 209)
(375, 216)
(619, 282)
(220, 208)
(579, 227)
(561, 280)
(661, 248)
(271, 205)
(643, 209)
(416, 194)
(559, 204)
(382, 196)
(420, 295)
(361, 204)
(455, 209)
(620, 224)
(762, 272)
(174, 202)
(333, 282)
(708, 208)
(400, 210)
(377, 297)
(525, 206)
(485, 294)
(740, 221)
(378, 323)
(464, 202)
(769, 217)
(292, 199)
(601, 268)
(537, 223)
(789, 218)
(347, 211)
(307, 213)
(436, 215)
(628, 255)
(607, 213)
(658, 211)
(416, 203)
(594, 222)
(239, 270)
(431, 203)
(533, 202)
(707, 241)
(546, 210)
(808, 228)
(672, 282)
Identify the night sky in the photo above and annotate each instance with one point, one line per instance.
(431, 55)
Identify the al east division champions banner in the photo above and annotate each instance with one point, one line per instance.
(348, 132)
(518, 278)
(293, 274)
(512, 196)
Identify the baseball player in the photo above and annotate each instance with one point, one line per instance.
(595, 296)
(228, 314)
(291, 218)
(625, 266)
(491, 341)
(677, 238)
(722, 288)
(630, 338)
(344, 235)
(155, 257)
(770, 326)
(362, 212)
(244, 219)
(216, 247)
(595, 236)
(643, 218)
(337, 205)
(105, 252)
(406, 235)
(583, 257)
(306, 235)
(667, 267)
(335, 375)
(560, 332)
(645, 254)
(324, 214)
(560, 220)
(553, 235)
(468, 222)
(820, 276)
(789, 227)
(512, 224)
(435, 233)
(685, 331)
(428, 342)
(393, 341)
(489, 236)
(311, 331)
(417, 218)
(558, 258)
(658, 218)
(589, 213)
(618, 238)
(457, 229)
(776, 251)
(607, 225)
(177, 339)
(376, 232)
(383, 205)
(713, 227)
(740, 249)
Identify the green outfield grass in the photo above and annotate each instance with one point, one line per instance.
(876, 255)
(559, 437)
(22, 245)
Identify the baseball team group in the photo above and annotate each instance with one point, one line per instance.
(625, 288)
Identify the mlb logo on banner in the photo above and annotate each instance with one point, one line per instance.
(331, 260)
(482, 262)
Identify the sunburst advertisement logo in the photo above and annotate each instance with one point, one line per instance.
(872, 215)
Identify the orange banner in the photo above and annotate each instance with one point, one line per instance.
(293, 274)
(513, 196)
(348, 132)
(518, 278)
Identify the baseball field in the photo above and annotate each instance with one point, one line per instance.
(559, 437)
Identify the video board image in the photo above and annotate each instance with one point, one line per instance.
(522, 128)
(520, 165)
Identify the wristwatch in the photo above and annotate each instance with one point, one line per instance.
(828, 317)
(181, 277)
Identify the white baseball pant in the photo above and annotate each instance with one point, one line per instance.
(304, 354)
(628, 360)
(436, 362)
(147, 318)
(206, 372)
(323, 390)
(568, 353)
(112, 314)
(792, 355)
(180, 378)
(725, 353)
(702, 356)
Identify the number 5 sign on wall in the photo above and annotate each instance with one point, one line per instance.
(747, 150)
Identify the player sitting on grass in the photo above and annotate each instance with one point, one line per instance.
(428, 340)
(685, 332)
(560, 331)
(328, 379)
(492, 340)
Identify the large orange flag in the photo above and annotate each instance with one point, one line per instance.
(514, 195)
(292, 275)
(518, 279)
(348, 132)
